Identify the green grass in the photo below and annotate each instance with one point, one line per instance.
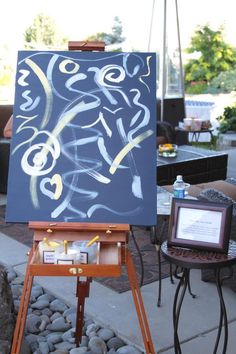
(212, 145)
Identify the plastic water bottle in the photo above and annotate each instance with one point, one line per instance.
(179, 187)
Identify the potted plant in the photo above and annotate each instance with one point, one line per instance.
(227, 121)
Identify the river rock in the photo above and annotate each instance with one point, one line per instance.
(97, 345)
(65, 346)
(33, 323)
(59, 325)
(36, 291)
(57, 305)
(47, 297)
(54, 337)
(31, 338)
(84, 341)
(111, 351)
(69, 311)
(55, 316)
(71, 318)
(51, 329)
(40, 304)
(93, 327)
(128, 349)
(79, 351)
(69, 336)
(7, 315)
(47, 312)
(115, 343)
(44, 348)
(105, 333)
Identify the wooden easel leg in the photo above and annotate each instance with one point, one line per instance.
(23, 309)
(138, 301)
(82, 292)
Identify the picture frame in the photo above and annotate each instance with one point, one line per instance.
(200, 225)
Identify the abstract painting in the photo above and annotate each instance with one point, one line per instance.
(84, 132)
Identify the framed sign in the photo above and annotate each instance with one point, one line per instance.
(201, 225)
(84, 138)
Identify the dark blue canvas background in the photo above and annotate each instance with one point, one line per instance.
(74, 113)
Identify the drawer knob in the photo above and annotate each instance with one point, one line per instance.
(73, 271)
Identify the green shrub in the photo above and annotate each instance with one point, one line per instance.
(224, 82)
(228, 119)
(195, 88)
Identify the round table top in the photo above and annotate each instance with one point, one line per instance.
(199, 259)
(195, 130)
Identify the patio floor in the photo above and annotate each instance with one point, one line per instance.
(198, 321)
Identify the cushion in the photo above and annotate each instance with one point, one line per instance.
(231, 180)
(213, 195)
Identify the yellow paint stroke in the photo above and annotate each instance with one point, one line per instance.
(47, 89)
(48, 108)
(149, 71)
(64, 121)
(127, 148)
(56, 179)
(67, 118)
(23, 127)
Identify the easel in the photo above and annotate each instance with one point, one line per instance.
(112, 253)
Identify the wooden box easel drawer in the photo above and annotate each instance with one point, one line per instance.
(111, 248)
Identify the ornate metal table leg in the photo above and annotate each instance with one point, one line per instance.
(223, 315)
(178, 300)
(159, 271)
(190, 290)
(171, 274)
(158, 246)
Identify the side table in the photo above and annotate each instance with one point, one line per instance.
(195, 133)
(163, 214)
(194, 259)
(164, 199)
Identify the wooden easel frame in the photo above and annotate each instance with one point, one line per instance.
(112, 254)
(114, 241)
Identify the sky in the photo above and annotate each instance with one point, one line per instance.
(78, 19)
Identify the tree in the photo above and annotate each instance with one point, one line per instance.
(110, 38)
(43, 32)
(216, 56)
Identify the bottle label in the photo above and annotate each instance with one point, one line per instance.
(179, 193)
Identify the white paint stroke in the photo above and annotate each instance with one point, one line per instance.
(136, 187)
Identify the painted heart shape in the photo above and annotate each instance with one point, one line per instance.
(54, 181)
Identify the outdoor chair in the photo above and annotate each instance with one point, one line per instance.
(166, 133)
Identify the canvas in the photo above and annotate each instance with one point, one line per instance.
(83, 146)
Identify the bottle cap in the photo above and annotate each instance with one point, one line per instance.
(179, 178)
